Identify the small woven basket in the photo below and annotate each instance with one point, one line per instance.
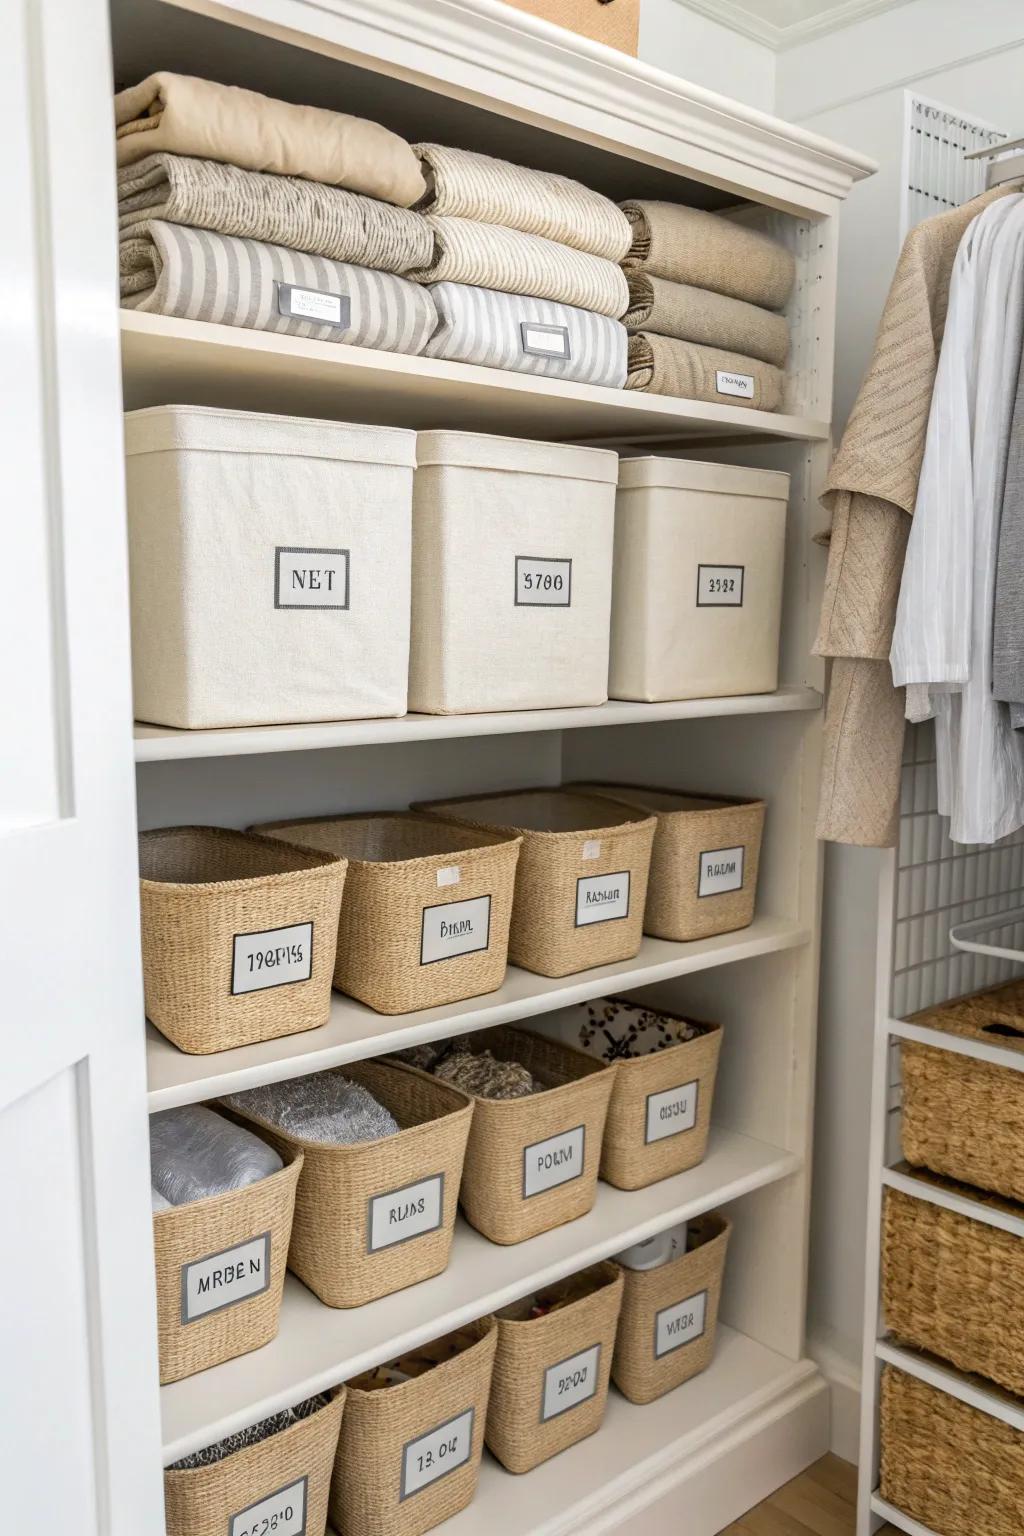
(234, 1497)
(244, 1233)
(704, 863)
(956, 1470)
(669, 1315)
(581, 884)
(410, 1452)
(427, 907)
(343, 1243)
(551, 1373)
(238, 936)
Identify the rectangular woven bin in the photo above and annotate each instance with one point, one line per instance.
(551, 1373)
(220, 1266)
(234, 1497)
(427, 908)
(958, 1471)
(410, 1452)
(238, 936)
(704, 861)
(581, 883)
(669, 1316)
(375, 1216)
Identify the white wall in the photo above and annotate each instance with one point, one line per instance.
(707, 53)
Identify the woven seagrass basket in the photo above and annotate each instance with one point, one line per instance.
(669, 1316)
(289, 1471)
(375, 1216)
(220, 1266)
(581, 883)
(409, 1455)
(427, 907)
(238, 936)
(551, 1373)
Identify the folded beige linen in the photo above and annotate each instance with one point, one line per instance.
(663, 366)
(688, 245)
(711, 319)
(188, 116)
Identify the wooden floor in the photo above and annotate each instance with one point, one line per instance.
(823, 1502)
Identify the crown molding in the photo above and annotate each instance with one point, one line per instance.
(731, 14)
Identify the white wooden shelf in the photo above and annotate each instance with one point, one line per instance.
(972, 1390)
(960, 1045)
(354, 1032)
(933, 1192)
(896, 1517)
(318, 1346)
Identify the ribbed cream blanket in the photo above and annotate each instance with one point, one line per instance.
(689, 245)
(710, 319)
(663, 366)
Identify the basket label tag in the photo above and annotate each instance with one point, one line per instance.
(314, 304)
(570, 1382)
(592, 848)
(455, 928)
(671, 1111)
(556, 1160)
(602, 898)
(721, 869)
(283, 1513)
(545, 340)
(276, 957)
(720, 586)
(452, 875)
(437, 1453)
(543, 583)
(405, 1213)
(226, 1278)
(728, 383)
(310, 578)
(682, 1323)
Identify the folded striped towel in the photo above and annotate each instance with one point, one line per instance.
(473, 186)
(526, 335)
(689, 245)
(663, 366)
(284, 210)
(711, 319)
(169, 269)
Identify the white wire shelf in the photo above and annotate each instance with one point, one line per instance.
(972, 1390)
(897, 1518)
(960, 1045)
(918, 1187)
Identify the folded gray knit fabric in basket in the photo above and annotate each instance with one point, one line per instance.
(243, 1438)
(484, 1075)
(526, 335)
(325, 1107)
(195, 1153)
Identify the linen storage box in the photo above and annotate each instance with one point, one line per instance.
(244, 1492)
(270, 567)
(669, 1316)
(427, 907)
(551, 1373)
(410, 1453)
(581, 882)
(512, 574)
(697, 598)
(613, 22)
(372, 1217)
(238, 936)
(954, 1469)
(220, 1266)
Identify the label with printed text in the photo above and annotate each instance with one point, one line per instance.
(545, 340)
(671, 1111)
(570, 1382)
(741, 384)
(311, 578)
(553, 1161)
(275, 957)
(679, 1324)
(279, 1514)
(405, 1213)
(720, 586)
(455, 928)
(602, 898)
(721, 870)
(314, 304)
(436, 1453)
(543, 583)
(223, 1279)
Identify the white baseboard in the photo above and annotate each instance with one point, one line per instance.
(843, 1378)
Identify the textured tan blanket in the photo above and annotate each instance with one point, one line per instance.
(688, 245)
(663, 366)
(710, 319)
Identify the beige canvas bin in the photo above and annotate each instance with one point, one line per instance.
(581, 883)
(372, 1217)
(238, 936)
(427, 908)
(669, 1316)
(697, 599)
(512, 573)
(551, 1373)
(234, 1497)
(220, 1266)
(704, 863)
(410, 1451)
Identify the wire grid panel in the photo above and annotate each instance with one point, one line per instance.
(936, 175)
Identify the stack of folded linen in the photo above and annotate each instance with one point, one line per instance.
(242, 210)
(704, 301)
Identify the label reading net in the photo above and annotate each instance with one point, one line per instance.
(543, 583)
(274, 958)
(455, 928)
(679, 1324)
(404, 1213)
(557, 1160)
(208, 1285)
(720, 586)
(721, 869)
(602, 898)
(570, 1383)
(314, 304)
(310, 578)
(741, 384)
(546, 340)
(280, 1514)
(671, 1111)
(437, 1453)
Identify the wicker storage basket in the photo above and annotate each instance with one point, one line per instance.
(581, 884)
(669, 1315)
(238, 936)
(958, 1471)
(704, 861)
(551, 1373)
(220, 1266)
(410, 1453)
(427, 908)
(241, 1495)
(375, 1216)
(961, 1117)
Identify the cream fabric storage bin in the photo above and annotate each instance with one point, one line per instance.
(270, 567)
(512, 574)
(697, 602)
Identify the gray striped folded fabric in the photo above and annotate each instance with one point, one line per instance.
(284, 210)
(527, 335)
(195, 274)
